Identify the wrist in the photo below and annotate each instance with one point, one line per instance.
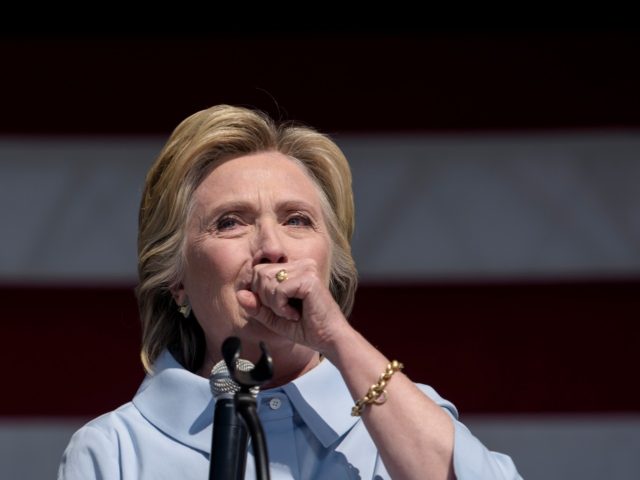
(338, 343)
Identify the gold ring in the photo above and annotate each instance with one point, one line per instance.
(282, 275)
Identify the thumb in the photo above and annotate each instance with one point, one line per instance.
(249, 301)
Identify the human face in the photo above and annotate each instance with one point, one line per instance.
(259, 208)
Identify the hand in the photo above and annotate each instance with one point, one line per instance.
(300, 308)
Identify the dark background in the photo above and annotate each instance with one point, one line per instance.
(501, 346)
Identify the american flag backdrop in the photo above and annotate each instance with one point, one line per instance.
(497, 188)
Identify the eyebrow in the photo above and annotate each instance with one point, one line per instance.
(245, 206)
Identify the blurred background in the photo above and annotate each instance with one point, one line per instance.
(496, 176)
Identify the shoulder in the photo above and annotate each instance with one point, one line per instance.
(94, 450)
(435, 396)
(112, 424)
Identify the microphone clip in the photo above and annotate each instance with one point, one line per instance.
(259, 375)
(244, 400)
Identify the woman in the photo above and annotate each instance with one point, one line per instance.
(244, 230)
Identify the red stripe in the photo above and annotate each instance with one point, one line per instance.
(337, 83)
(488, 347)
(547, 347)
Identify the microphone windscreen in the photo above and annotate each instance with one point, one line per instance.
(220, 380)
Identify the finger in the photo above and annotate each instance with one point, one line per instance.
(249, 301)
(275, 323)
(264, 282)
(287, 310)
(252, 303)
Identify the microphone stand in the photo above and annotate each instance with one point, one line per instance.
(245, 402)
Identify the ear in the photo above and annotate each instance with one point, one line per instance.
(179, 294)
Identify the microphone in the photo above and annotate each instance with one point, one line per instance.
(230, 440)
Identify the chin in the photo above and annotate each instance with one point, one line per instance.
(251, 333)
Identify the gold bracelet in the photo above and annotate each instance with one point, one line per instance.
(377, 390)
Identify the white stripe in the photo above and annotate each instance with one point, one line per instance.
(543, 447)
(427, 206)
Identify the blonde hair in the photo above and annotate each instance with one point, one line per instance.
(197, 145)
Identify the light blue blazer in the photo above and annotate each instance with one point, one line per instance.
(165, 432)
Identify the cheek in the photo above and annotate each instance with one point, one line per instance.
(322, 254)
(213, 265)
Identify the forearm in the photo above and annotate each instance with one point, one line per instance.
(413, 434)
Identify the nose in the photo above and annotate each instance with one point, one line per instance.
(269, 247)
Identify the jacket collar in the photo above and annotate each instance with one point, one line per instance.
(177, 402)
(180, 404)
(323, 401)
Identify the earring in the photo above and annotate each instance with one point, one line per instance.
(185, 309)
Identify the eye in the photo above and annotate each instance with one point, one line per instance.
(226, 223)
(298, 220)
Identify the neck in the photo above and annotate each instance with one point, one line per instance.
(289, 370)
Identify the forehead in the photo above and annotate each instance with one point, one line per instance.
(265, 172)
